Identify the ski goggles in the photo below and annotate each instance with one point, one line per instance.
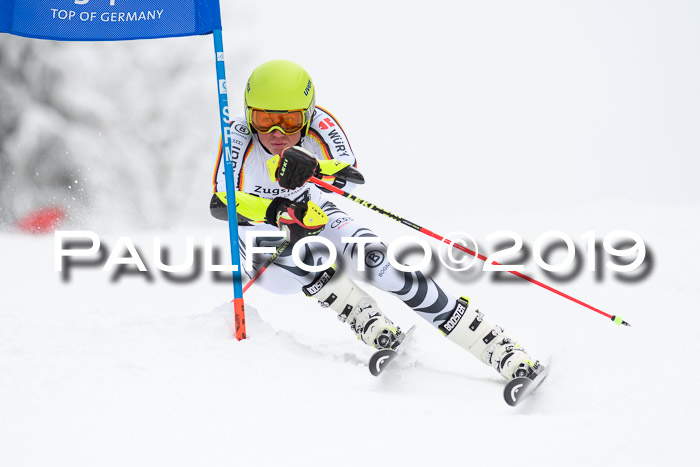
(287, 122)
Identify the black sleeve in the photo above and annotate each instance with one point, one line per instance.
(218, 209)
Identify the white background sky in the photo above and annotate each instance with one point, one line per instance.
(515, 105)
(562, 102)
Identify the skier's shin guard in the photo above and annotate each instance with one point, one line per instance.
(336, 290)
(466, 327)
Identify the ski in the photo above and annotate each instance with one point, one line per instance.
(518, 389)
(381, 358)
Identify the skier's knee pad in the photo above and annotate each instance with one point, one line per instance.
(467, 328)
(354, 306)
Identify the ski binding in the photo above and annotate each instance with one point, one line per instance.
(518, 389)
(381, 358)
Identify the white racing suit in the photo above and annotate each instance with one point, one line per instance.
(326, 140)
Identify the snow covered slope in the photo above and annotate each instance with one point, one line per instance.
(144, 373)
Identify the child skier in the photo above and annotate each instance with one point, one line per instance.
(281, 141)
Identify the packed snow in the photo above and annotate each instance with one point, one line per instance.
(469, 117)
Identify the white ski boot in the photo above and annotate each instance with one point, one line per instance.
(467, 328)
(336, 290)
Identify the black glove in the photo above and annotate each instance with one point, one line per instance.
(299, 219)
(296, 167)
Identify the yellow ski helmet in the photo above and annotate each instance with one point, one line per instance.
(275, 88)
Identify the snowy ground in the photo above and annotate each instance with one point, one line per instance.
(139, 373)
(573, 117)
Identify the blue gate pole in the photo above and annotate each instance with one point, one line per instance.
(229, 163)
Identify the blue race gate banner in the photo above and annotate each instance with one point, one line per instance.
(108, 20)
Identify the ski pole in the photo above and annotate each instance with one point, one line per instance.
(616, 319)
(267, 264)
